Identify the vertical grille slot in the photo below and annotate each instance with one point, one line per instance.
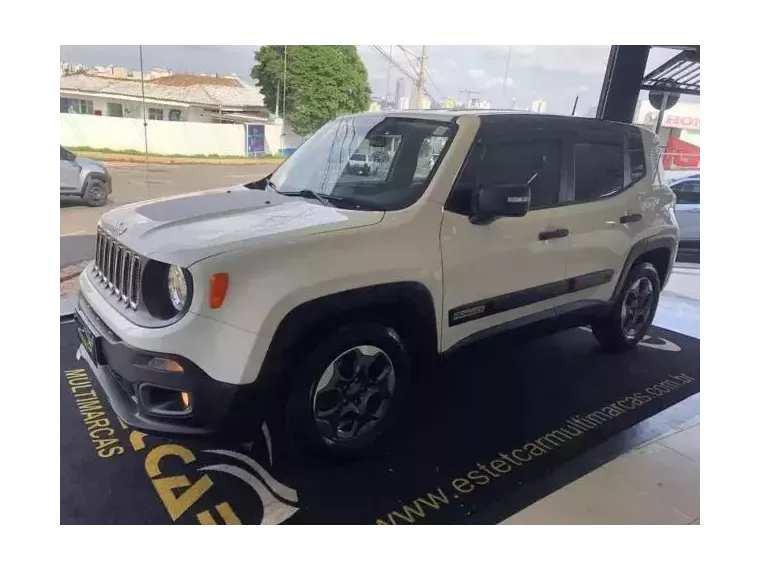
(98, 239)
(114, 265)
(124, 274)
(109, 263)
(134, 282)
(118, 268)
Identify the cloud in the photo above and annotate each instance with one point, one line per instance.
(476, 73)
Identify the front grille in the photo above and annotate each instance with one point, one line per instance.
(118, 269)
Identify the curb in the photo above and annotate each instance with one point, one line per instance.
(68, 286)
(67, 308)
(71, 271)
(136, 158)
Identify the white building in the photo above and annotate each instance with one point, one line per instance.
(193, 98)
(402, 99)
(479, 104)
(538, 106)
(185, 115)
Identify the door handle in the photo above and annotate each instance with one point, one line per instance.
(553, 234)
(631, 218)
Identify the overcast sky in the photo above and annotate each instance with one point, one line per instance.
(553, 73)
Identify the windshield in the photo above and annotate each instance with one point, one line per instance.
(408, 152)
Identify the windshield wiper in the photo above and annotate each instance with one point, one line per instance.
(349, 201)
(325, 199)
(307, 194)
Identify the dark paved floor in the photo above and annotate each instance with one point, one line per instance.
(482, 441)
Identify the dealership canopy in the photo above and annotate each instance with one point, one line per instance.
(680, 74)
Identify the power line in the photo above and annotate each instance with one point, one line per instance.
(419, 79)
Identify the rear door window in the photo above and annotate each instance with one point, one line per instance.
(598, 170)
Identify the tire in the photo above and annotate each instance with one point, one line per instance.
(95, 192)
(324, 407)
(616, 332)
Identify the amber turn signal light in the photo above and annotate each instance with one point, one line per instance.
(218, 289)
(185, 397)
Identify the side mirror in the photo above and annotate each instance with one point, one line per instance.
(500, 200)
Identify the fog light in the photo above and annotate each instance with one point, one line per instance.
(165, 365)
(162, 401)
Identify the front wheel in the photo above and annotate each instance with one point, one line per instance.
(95, 192)
(350, 390)
(632, 313)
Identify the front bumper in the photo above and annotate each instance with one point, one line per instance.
(216, 408)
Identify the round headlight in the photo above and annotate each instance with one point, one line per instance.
(177, 287)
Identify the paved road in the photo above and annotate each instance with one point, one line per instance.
(133, 183)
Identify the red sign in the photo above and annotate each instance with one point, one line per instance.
(680, 155)
(678, 122)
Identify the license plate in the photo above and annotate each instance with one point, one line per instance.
(88, 339)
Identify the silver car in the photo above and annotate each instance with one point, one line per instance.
(687, 209)
(85, 178)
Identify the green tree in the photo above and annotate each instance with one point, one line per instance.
(323, 82)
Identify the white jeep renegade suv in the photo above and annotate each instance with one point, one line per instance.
(328, 289)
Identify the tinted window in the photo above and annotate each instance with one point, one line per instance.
(687, 192)
(636, 157)
(598, 170)
(536, 163)
(67, 155)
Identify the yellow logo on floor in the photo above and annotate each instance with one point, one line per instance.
(95, 419)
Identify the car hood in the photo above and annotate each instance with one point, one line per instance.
(185, 229)
(89, 164)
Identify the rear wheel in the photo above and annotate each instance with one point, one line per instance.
(350, 390)
(632, 314)
(95, 192)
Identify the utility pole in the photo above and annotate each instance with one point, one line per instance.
(284, 91)
(277, 101)
(506, 72)
(421, 79)
(388, 79)
(468, 93)
(145, 119)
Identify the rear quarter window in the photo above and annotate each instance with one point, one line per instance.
(636, 157)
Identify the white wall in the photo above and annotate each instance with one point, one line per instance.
(164, 137)
(134, 109)
(273, 137)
